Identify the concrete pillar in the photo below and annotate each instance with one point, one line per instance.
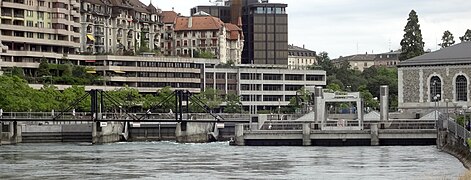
(319, 105)
(1, 131)
(306, 134)
(94, 133)
(239, 135)
(374, 134)
(18, 133)
(384, 103)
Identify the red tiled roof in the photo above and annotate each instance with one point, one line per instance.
(233, 31)
(198, 23)
(169, 17)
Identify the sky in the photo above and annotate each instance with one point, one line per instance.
(347, 27)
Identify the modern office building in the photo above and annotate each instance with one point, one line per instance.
(265, 27)
(301, 57)
(261, 86)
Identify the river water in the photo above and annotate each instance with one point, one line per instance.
(168, 160)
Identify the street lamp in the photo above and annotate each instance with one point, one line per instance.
(435, 98)
(465, 124)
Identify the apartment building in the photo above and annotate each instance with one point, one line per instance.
(261, 86)
(204, 33)
(40, 26)
(169, 19)
(119, 27)
(388, 59)
(301, 57)
(358, 62)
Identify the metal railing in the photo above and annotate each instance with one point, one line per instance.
(455, 129)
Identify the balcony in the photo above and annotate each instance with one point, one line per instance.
(98, 33)
(99, 43)
(145, 29)
(7, 14)
(19, 15)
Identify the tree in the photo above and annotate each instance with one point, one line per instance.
(466, 37)
(334, 87)
(233, 103)
(43, 69)
(303, 96)
(165, 100)
(73, 94)
(447, 39)
(17, 71)
(15, 94)
(209, 97)
(412, 44)
(324, 63)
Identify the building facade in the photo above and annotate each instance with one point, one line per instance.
(204, 33)
(260, 86)
(389, 59)
(439, 79)
(301, 57)
(358, 62)
(265, 27)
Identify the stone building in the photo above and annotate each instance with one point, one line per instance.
(438, 79)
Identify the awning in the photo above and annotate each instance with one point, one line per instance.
(91, 72)
(120, 72)
(90, 61)
(90, 37)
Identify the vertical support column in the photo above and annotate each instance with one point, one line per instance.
(306, 134)
(319, 107)
(1, 131)
(374, 134)
(239, 135)
(384, 103)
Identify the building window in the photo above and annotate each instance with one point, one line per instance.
(435, 89)
(461, 88)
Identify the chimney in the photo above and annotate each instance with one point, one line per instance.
(190, 22)
(304, 47)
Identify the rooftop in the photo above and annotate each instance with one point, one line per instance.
(453, 55)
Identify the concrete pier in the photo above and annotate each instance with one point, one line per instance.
(110, 133)
(195, 132)
(239, 135)
(306, 134)
(384, 103)
(374, 134)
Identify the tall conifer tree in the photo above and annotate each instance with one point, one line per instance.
(447, 39)
(412, 44)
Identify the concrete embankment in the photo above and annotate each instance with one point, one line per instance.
(456, 147)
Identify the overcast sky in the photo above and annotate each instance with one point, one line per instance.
(346, 27)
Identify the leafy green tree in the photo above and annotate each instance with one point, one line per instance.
(44, 69)
(210, 97)
(334, 87)
(71, 95)
(15, 94)
(368, 98)
(303, 96)
(412, 44)
(46, 99)
(447, 39)
(17, 71)
(234, 103)
(165, 100)
(466, 37)
(127, 97)
(324, 63)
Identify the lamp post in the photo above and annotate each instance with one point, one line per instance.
(447, 114)
(465, 123)
(435, 98)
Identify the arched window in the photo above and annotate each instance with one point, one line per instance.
(435, 89)
(461, 88)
